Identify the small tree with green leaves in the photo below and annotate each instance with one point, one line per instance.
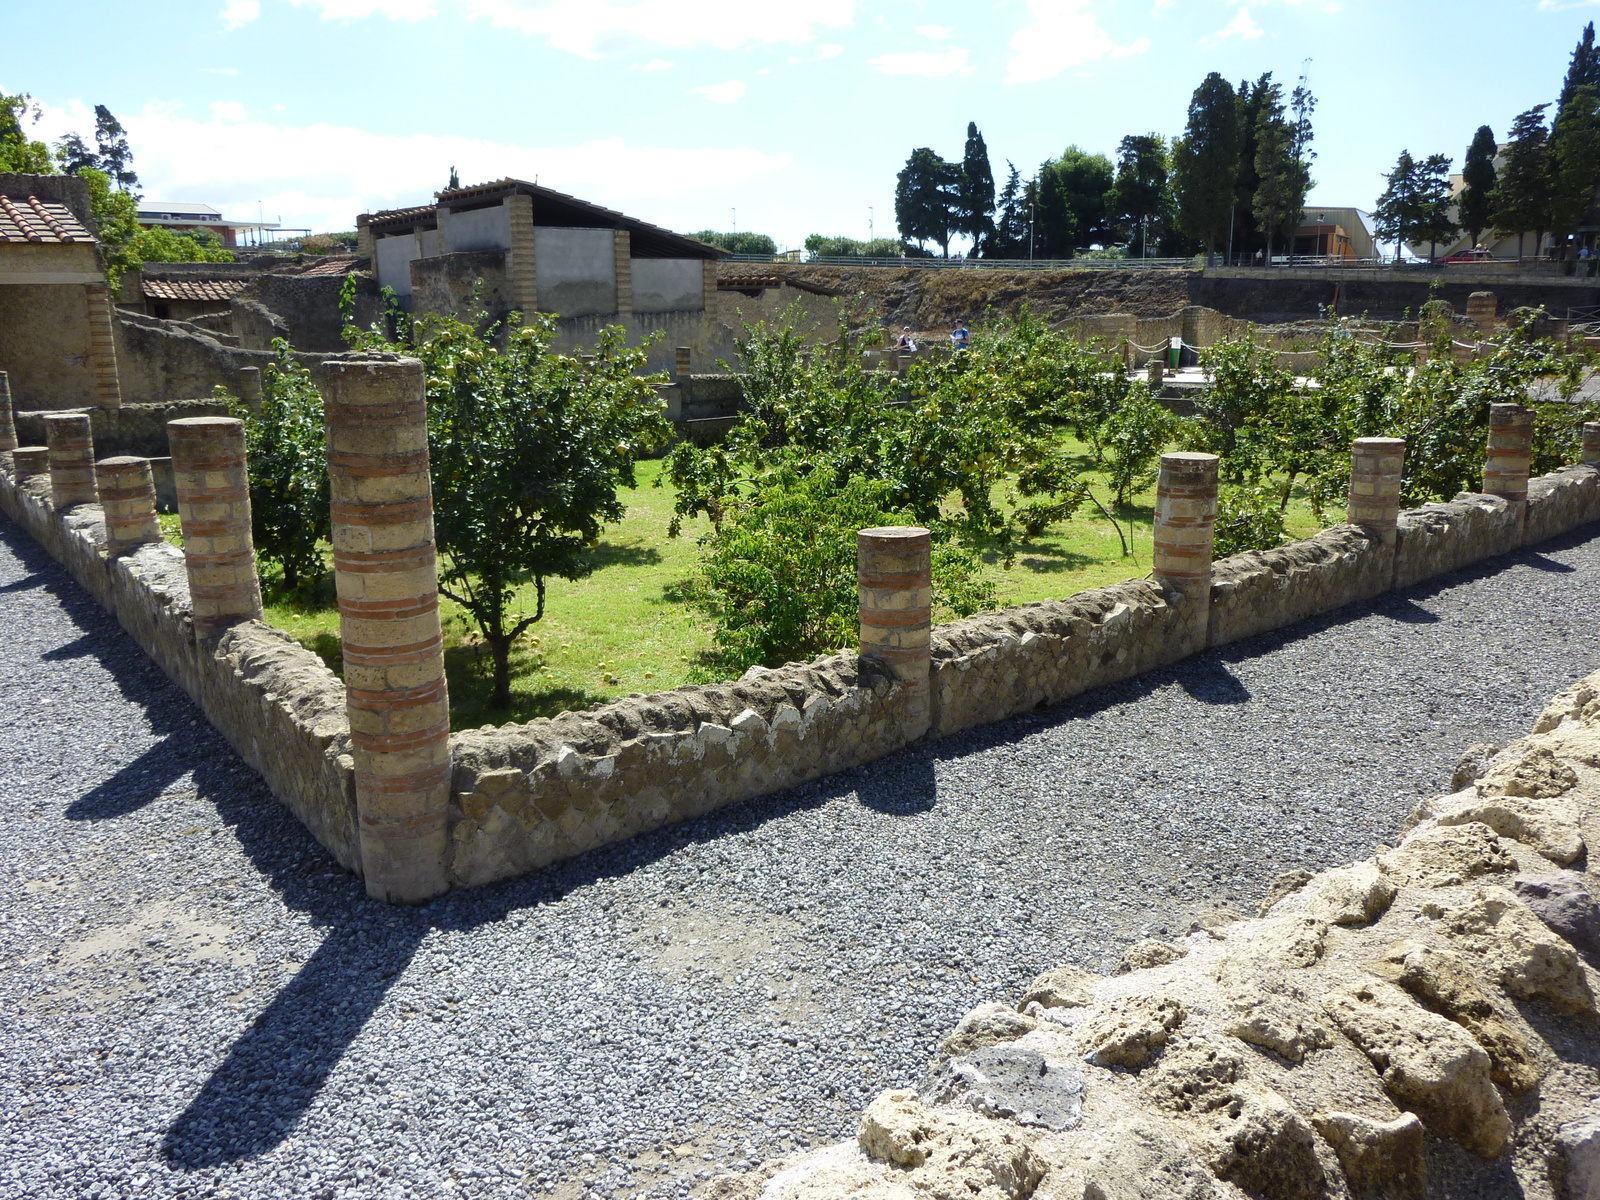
(19, 152)
(287, 449)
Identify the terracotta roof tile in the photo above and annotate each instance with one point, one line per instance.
(192, 289)
(40, 222)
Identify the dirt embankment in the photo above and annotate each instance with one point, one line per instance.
(931, 299)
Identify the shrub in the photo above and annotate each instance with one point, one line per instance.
(1248, 518)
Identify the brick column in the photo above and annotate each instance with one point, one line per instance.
(388, 586)
(1481, 308)
(1185, 521)
(213, 484)
(681, 366)
(1591, 442)
(521, 275)
(708, 286)
(1505, 468)
(894, 577)
(71, 447)
(28, 461)
(8, 428)
(250, 388)
(102, 347)
(128, 499)
(622, 244)
(364, 243)
(1375, 465)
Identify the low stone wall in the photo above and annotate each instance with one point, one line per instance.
(1269, 589)
(1419, 1024)
(1439, 538)
(132, 429)
(527, 795)
(1560, 502)
(275, 701)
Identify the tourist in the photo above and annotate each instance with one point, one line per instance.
(905, 342)
(960, 336)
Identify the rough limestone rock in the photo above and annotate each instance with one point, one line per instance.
(987, 1025)
(1270, 1150)
(1447, 856)
(1537, 773)
(1549, 828)
(1012, 1082)
(1124, 1033)
(1197, 1075)
(1578, 1143)
(1519, 951)
(1447, 983)
(1354, 895)
(1472, 765)
(1267, 1009)
(1286, 884)
(1061, 987)
(1137, 1160)
(950, 1155)
(1565, 905)
(1386, 1156)
(1427, 1063)
(1146, 953)
(1295, 941)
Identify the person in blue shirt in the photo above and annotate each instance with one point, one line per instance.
(960, 336)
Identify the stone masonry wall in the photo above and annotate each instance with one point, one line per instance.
(1269, 589)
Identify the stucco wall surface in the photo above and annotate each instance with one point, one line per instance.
(393, 257)
(276, 702)
(1252, 593)
(668, 285)
(44, 345)
(576, 270)
(477, 230)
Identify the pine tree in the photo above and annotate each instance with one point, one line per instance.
(925, 198)
(1476, 209)
(1010, 237)
(1205, 162)
(1280, 196)
(1139, 198)
(1433, 221)
(1523, 194)
(1574, 159)
(1395, 215)
(976, 204)
(111, 147)
(1247, 235)
(1584, 70)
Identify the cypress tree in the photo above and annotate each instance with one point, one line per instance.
(1478, 178)
(1523, 195)
(976, 203)
(1574, 159)
(1205, 163)
(1583, 71)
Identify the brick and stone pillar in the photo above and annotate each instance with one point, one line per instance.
(250, 388)
(102, 347)
(365, 246)
(622, 245)
(1591, 443)
(388, 586)
(521, 276)
(8, 427)
(213, 485)
(681, 365)
(894, 576)
(710, 295)
(1481, 308)
(71, 446)
(1505, 468)
(1375, 465)
(1185, 522)
(128, 499)
(28, 461)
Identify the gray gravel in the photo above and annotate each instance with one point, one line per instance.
(198, 1002)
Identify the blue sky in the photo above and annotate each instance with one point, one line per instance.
(797, 115)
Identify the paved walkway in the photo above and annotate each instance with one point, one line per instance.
(199, 1003)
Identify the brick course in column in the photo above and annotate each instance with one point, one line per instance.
(622, 244)
(8, 428)
(894, 579)
(1185, 523)
(521, 269)
(213, 485)
(680, 364)
(71, 446)
(28, 461)
(250, 388)
(128, 499)
(708, 286)
(1505, 468)
(102, 347)
(388, 587)
(1591, 442)
(1375, 467)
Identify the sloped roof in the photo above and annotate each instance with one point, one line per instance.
(551, 208)
(40, 222)
(192, 289)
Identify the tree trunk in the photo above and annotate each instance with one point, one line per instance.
(291, 576)
(500, 648)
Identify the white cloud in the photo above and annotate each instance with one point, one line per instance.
(1242, 26)
(240, 12)
(925, 62)
(939, 32)
(1064, 33)
(593, 28)
(655, 64)
(353, 10)
(321, 176)
(722, 93)
(829, 50)
(228, 110)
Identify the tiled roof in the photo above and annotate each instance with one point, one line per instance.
(331, 264)
(40, 222)
(192, 289)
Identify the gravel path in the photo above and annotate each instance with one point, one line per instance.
(197, 1002)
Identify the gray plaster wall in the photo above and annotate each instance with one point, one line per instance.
(576, 271)
(477, 230)
(276, 702)
(709, 341)
(668, 285)
(392, 261)
(44, 345)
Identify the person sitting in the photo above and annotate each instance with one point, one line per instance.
(905, 342)
(960, 336)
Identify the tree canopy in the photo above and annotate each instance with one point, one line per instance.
(743, 242)
(1476, 202)
(975, 193)
(1523, 196)
(19, 152)
(1205, 162)
(925, 197)
(1138, 202)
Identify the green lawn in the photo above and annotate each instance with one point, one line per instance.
(626, 628)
